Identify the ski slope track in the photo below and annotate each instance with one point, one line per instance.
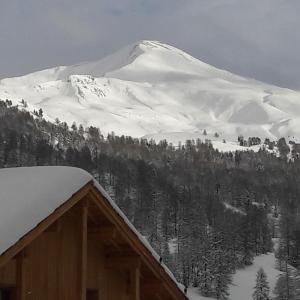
(155, 90)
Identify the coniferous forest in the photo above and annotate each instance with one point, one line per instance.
(205, 212)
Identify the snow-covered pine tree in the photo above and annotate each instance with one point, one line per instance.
(205, 277)
(221, 270)
(205, 272)
(261, 290)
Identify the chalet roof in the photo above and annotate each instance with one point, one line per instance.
(29, 195)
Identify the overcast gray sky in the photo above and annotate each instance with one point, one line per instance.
(254, 38)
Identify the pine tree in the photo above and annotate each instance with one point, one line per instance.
(262, 289)
(205, 277)
(221, 268)
(283, 148)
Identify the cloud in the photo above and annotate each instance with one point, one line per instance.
(255, 38)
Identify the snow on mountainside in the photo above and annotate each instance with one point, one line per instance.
(153, 89)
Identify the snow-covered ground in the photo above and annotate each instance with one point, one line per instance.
(150, 88)
(234, 209)
(218, 142)
(194, 295)
(244, 279)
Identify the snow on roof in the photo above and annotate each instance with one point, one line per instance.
(28, 195)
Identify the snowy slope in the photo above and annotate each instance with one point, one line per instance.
(150, 88)
(244, 280)
(243, 283)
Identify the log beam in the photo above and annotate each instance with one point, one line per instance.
(151, 288)
(107, 235)
(20, 270)
(103, 233)
(135, 284)
(83, 249)
(122, 262)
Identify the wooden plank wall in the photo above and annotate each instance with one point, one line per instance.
(110, 284)
(8, 274)
(57, 265)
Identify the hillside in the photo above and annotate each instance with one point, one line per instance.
(150, 88)
(205, 212)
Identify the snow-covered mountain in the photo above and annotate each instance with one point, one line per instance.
(153, 89)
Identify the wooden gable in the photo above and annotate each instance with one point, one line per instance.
(85, 250)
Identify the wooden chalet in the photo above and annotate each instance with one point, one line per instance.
(63, 238)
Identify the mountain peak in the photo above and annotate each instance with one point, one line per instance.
(144, 60)
(152, 44)
(126, 56)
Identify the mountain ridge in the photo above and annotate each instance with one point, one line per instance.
(150, 88)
